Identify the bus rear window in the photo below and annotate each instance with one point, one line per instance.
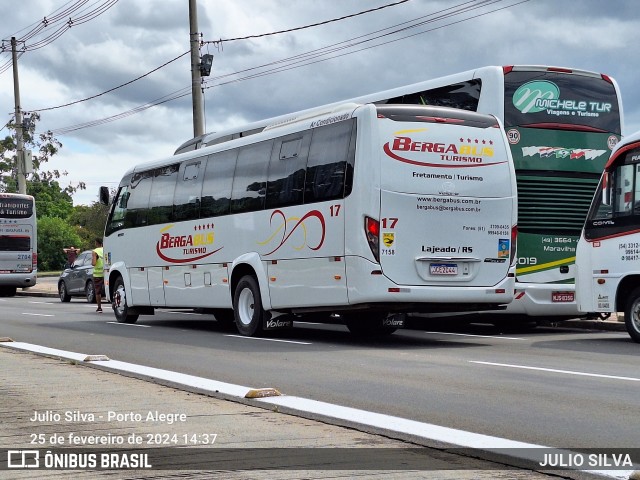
(14, 243)
(543, 97)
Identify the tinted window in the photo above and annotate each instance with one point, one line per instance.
(250, 180)
(118, 210)
(138, 200)
(287, 170)
(12, 243)
(553, 97)
(186, 201)
(464, 95)
(161, 198)
(327, 165)
(218, 180)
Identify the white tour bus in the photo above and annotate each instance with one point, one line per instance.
(18, 243)
(356, 213)
(562, 124)
(608, 257)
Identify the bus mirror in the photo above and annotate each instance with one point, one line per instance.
(104, 195)
(606, 190)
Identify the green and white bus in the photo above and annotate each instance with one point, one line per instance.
(561, 124)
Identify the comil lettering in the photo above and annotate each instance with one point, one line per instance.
(406, 144)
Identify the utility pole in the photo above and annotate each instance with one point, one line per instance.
(196, 92)
(20, 164)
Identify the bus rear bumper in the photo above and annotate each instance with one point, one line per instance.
(19, 280)
(538, 300)
(368, 285)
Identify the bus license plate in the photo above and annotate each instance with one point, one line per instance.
(443, 269)
(560, 297)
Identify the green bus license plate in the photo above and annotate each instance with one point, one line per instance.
(443, 269)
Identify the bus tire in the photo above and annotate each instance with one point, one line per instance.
(120, 306)
(247, 307)
(90, 292)
(63, 293)
(367, 324)
(632, 315)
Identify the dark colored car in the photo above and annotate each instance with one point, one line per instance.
(77, 280)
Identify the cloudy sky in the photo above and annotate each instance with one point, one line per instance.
(112, 42)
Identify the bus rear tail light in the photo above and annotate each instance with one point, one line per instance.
(606, 78)
(372, 231)
(514, 239)
(34, 261)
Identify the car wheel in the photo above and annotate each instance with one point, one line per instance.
(247, 307)
(120, 306)
(63, 293)
(632, 315)
(90, 292)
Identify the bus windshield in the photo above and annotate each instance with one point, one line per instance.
(547, 98)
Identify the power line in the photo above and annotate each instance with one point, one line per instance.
(307, 26)
(114, 88)
(218, 41)
(83, 15)
(311, 57)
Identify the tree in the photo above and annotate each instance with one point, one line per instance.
(89, 221)
(44, 146)
(58, 234)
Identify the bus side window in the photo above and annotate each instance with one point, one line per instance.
(217, 183)
(250, 179)
(327, 164)
(186, 201)
(287, 169)
(623, 193)
(116, 218)
(161, 196)
(138, 204)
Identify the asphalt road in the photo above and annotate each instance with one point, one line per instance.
(557, 387)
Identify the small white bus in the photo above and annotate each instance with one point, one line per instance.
(18, 243)
(608, 256)
(358, 213)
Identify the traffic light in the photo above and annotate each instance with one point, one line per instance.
(205, 64)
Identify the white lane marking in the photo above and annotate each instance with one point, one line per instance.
(554, 370)
(363, 418)
(129, 325)
(39, 314)
(481, 336)
(268, 339)
(46, 303)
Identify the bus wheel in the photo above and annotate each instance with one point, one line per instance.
(62, 293)
(120, 307)
(90, 292)
(367, 324)
(247, 307)
(632, 315)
